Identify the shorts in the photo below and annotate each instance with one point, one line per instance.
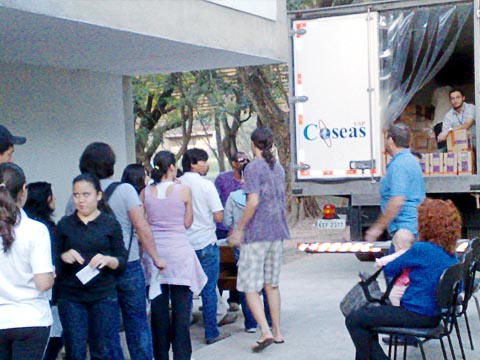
(259, 264)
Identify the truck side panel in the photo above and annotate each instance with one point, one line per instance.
(338, 130)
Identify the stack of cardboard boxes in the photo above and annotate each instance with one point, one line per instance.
(458, 160)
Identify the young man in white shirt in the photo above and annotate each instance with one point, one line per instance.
(207, 210)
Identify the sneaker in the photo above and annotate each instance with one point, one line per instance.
(227, 319)
(251, 330)
(220, 337)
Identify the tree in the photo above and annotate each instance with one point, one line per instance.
(265, 86)
(163, 103)
(178, 100)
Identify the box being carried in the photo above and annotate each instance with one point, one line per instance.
(459, 140)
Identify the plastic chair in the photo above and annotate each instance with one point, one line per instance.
(447, 291)
(475, 248)
(470, 262)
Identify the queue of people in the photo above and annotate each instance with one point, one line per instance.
(96, 252)
(122, 244)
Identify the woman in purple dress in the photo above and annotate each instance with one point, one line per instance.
(169, 211)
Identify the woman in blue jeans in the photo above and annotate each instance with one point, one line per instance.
(89, 240)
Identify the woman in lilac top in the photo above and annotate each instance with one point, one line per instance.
(262, 228)
(169, 210)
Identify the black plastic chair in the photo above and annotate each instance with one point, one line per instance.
(447, 292)
(474, 247)
(470, 263)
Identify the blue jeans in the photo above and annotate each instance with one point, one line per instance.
(209, 258)
(95, 323)
(23, 343)
(250, 321)
(133, 304)
(175, 331)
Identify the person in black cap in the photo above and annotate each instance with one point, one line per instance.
(7, 140)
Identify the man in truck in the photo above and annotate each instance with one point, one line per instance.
(460, 116)
(401, 189)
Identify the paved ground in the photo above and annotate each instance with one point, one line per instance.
(312, 286)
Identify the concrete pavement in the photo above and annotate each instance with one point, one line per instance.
(312, 286)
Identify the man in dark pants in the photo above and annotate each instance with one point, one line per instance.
(207, 209)
(402, 188)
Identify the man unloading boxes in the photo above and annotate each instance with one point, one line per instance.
(461, 116)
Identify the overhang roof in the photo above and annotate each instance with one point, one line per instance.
(38, 39)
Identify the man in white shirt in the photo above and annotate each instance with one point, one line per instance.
(207, 210)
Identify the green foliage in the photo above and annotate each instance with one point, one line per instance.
(296, 5)
(210, 98)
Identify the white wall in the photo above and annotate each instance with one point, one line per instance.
(60, 112)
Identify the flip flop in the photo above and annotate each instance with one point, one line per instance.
(262, 345)
(278, 342)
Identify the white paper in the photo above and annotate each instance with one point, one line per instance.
(155, 288)
(87, 274)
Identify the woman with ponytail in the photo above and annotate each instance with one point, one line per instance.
(169, 210)
(26, 272)
(261, 230)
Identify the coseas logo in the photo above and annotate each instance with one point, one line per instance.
(321, 131)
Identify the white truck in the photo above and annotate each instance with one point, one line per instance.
(355, 70)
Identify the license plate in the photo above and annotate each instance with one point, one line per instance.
(324, 224)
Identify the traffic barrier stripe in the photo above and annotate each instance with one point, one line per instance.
(354, 247)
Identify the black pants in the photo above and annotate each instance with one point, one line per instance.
(26, 343)
(175, 331)
(359, 324)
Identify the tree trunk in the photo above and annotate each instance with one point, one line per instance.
(259, 88)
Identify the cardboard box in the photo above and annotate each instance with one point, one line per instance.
(465, 160)
(436, 163)
(459, 140)
(421, 142)
(425, 164)
(450, 165)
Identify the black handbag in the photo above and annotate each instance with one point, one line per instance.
(366, 292)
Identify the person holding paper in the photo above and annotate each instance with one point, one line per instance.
(89, 253)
